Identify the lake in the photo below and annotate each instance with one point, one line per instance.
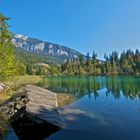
(102, 107)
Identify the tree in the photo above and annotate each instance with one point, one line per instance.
(94, 56)
(54, 70)
(82, 60)
(40, 71)
(127, 63)
(137, 61)
(87, 58)
(116, 58)
(81, 71)
(7, 63)
(89, 67)
(29, 69)
(20, 68)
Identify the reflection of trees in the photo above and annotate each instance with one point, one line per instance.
(113, 85)
(128, 86)
(80, 86)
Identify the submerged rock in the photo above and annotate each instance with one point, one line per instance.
(65, 99)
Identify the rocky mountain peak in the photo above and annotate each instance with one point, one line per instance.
(44, 48)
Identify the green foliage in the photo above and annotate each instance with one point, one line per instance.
(20, 68)
(7, 65)
(54, 70)
(127, 63)
(40, 71)
(82, 60)
(29, 69)
(31, 58)
(81, 71)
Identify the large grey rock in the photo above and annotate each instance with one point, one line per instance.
(38, 104)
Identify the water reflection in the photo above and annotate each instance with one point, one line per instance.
(104, 118)
(25, 129)
(80, 86)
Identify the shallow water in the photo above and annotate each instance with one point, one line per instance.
(104, 108)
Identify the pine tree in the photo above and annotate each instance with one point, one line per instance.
(82, 60)
(40, 71)
(94, 56)
(137, 61)
(87, 59)
(29, 69)
(20, 68)
(7, 68)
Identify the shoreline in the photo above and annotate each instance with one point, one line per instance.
(8, 88)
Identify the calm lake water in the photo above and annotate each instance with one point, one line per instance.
(104, 108)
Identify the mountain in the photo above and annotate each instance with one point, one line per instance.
(43, 49)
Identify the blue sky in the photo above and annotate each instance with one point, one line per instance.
(84, 25)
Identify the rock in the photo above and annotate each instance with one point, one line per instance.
(2, 86)
(37, 104)
(65, 99)
(18, 106)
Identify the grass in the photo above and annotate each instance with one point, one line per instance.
(24, 80)
(16, 82)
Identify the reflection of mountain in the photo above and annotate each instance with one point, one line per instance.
(80, 86)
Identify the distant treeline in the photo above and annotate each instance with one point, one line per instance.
(128, 63)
